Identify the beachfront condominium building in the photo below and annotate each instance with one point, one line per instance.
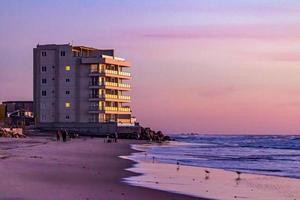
(78, 87)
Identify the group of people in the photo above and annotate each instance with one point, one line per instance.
(114, 137)
(61, 134)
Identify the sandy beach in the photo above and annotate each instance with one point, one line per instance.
(40, 168)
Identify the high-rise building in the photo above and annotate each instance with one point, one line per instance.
(78, 87)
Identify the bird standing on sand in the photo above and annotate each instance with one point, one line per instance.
(238, 174)
(207, 174)
(178, 165)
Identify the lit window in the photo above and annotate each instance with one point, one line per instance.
(68, 68)
(68, 105)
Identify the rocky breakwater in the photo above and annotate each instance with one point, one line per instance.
(11, 132)
(148, 134)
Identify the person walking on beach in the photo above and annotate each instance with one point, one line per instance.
(116, 137)
(64, 136)
(58, 133)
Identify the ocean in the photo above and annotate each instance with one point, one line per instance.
(258, 154)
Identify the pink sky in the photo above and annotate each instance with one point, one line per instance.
(204, 66)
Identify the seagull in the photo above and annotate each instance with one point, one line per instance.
(207, 174)
(238, 174)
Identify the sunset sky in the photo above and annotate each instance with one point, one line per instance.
(206, 66)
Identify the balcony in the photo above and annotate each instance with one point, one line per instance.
(110, 85)
(108, 109)
(110, 97)
(111, 73)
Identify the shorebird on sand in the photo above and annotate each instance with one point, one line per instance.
(239, 175)
(207, 174)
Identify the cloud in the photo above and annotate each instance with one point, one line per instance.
(206, 91)
(231, 7)
(266, 32)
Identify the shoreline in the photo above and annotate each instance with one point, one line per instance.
(85, 168)
(221, 184)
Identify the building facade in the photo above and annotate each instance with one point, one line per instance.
(81, 88)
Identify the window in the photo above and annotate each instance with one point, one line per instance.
(67, 92)
(68, 68)
(44, 93)
(68, 105)
(44, 68)
(62, 53)
(67, 117)
(67, 80)
(44, 53)
(44, 81)
(53, 67)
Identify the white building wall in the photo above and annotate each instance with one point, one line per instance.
(84, 80)
(47, 104)
(66, 114)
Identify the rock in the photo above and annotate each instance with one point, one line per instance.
(148, 134)
(166, 138)
(13, 132)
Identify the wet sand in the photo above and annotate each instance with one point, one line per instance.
(219, 184)
(40, 168)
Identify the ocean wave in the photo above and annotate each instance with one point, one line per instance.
(278, 155)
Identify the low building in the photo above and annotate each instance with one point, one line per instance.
(12, 106)
(18, 113)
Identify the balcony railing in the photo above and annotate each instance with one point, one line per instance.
(110, 108)
(124, 74)
(109, 96)
(125, 97)
(111, 84)
(113, 72)
(124, 85)
(124, 109)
